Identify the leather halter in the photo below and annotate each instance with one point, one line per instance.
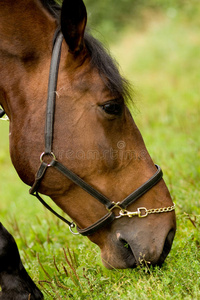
(110, 206)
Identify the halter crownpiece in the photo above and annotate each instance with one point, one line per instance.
(110, 206)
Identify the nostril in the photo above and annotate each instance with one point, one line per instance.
(127, 252)
(125, 244)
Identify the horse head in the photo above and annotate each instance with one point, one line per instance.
(95, 135)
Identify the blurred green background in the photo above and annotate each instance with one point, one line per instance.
(111, 17)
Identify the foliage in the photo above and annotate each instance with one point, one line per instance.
(110, 17)
(163, 61)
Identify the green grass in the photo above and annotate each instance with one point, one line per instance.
(163, 62)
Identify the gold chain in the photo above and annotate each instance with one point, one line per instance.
(161, 210)
(142, 212)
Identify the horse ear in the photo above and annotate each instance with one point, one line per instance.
(73, 23)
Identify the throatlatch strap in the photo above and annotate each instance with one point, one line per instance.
(40, 174)
(51, 209)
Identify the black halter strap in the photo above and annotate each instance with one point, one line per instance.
(53, 78)
(110, 216)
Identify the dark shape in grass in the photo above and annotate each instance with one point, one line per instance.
(15, 282)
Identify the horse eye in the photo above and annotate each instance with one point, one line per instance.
(112, 108)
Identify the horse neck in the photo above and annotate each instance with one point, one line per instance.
(26, 32)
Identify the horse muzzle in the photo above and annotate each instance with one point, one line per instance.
(129, 248)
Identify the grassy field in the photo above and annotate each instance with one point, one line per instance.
(163, 62)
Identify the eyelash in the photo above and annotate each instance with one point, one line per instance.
(112, 108)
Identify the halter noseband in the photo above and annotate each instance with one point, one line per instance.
(110, 206)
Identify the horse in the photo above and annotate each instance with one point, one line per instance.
(15, 282)
(83, 144)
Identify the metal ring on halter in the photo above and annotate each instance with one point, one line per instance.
(50, 154)
(71, 226)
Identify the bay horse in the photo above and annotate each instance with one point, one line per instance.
(92, 162)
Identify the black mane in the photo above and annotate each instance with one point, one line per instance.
(53, 7)
(100, 58)
(107, 67)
